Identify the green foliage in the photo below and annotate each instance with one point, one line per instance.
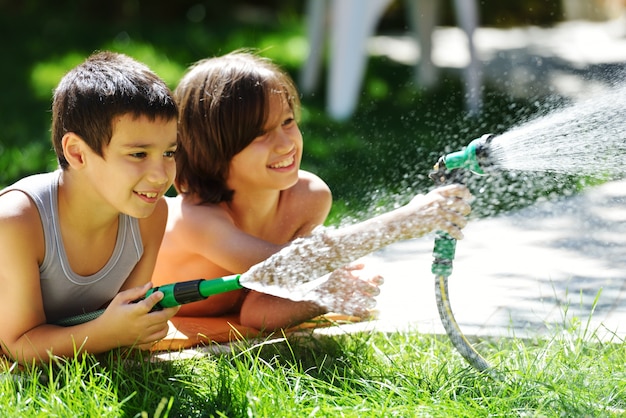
(375, 161)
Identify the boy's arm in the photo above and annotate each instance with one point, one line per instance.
(444, 209)
(24, 334)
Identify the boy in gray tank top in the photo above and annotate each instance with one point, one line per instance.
(86, 236)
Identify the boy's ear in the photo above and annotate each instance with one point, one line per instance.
(74, 149)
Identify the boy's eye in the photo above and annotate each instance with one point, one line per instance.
(288, 121)
(169, 154)
(138, 154)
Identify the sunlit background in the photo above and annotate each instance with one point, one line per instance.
(530, 56)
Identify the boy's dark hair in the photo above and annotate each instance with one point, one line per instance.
(224, 105)
(106, 85)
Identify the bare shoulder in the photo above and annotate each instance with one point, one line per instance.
(311, 183)
(20, 225)
(17, 210)
(311, 190)
(192, 213)
(310, 200)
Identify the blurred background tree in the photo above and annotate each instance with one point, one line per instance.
(43, 39)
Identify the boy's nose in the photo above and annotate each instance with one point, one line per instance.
(283, 143)
(161, 173)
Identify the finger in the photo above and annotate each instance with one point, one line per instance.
(356, 266)
(370, 304)
(143, 347)
(377, 280)
(371, 314)
(452, 230)
(152, 338)
(372, 290)
(156, 329)
(152, 300)
(135, 293)
(361, 309)
(455, 218)
(455, 190)
(456, 204)
(367, 288)
(163, 315)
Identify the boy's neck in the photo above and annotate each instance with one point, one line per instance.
(76, 207)
(253, 210)
(259, 201)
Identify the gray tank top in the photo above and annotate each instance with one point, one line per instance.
(64, 292)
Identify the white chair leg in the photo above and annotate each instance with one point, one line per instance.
(422, 16)
(467, 17)
(316, 31)
(352, 22)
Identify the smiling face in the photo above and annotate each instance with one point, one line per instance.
(137, 167)
(272, 160)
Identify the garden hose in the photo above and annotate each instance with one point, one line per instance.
(443, 254)
(174, 294)
(475, 157)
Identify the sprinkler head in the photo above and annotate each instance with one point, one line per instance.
(475, 158)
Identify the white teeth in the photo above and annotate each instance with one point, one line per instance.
(150, 195)
(284, 163)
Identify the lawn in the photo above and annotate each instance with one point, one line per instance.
(353, 375)
(376, 160)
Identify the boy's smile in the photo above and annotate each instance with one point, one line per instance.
(287, 162)
(149, 196)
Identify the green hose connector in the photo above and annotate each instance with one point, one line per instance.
(180, 293)
(443, 253)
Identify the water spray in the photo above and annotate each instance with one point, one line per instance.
(449, 169)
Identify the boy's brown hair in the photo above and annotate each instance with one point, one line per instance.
(224, 105)
(106, 85)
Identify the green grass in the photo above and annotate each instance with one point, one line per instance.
(353, 375)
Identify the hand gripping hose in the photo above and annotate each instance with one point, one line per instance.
(174, 294)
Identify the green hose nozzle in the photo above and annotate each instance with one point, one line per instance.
(475, 158)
